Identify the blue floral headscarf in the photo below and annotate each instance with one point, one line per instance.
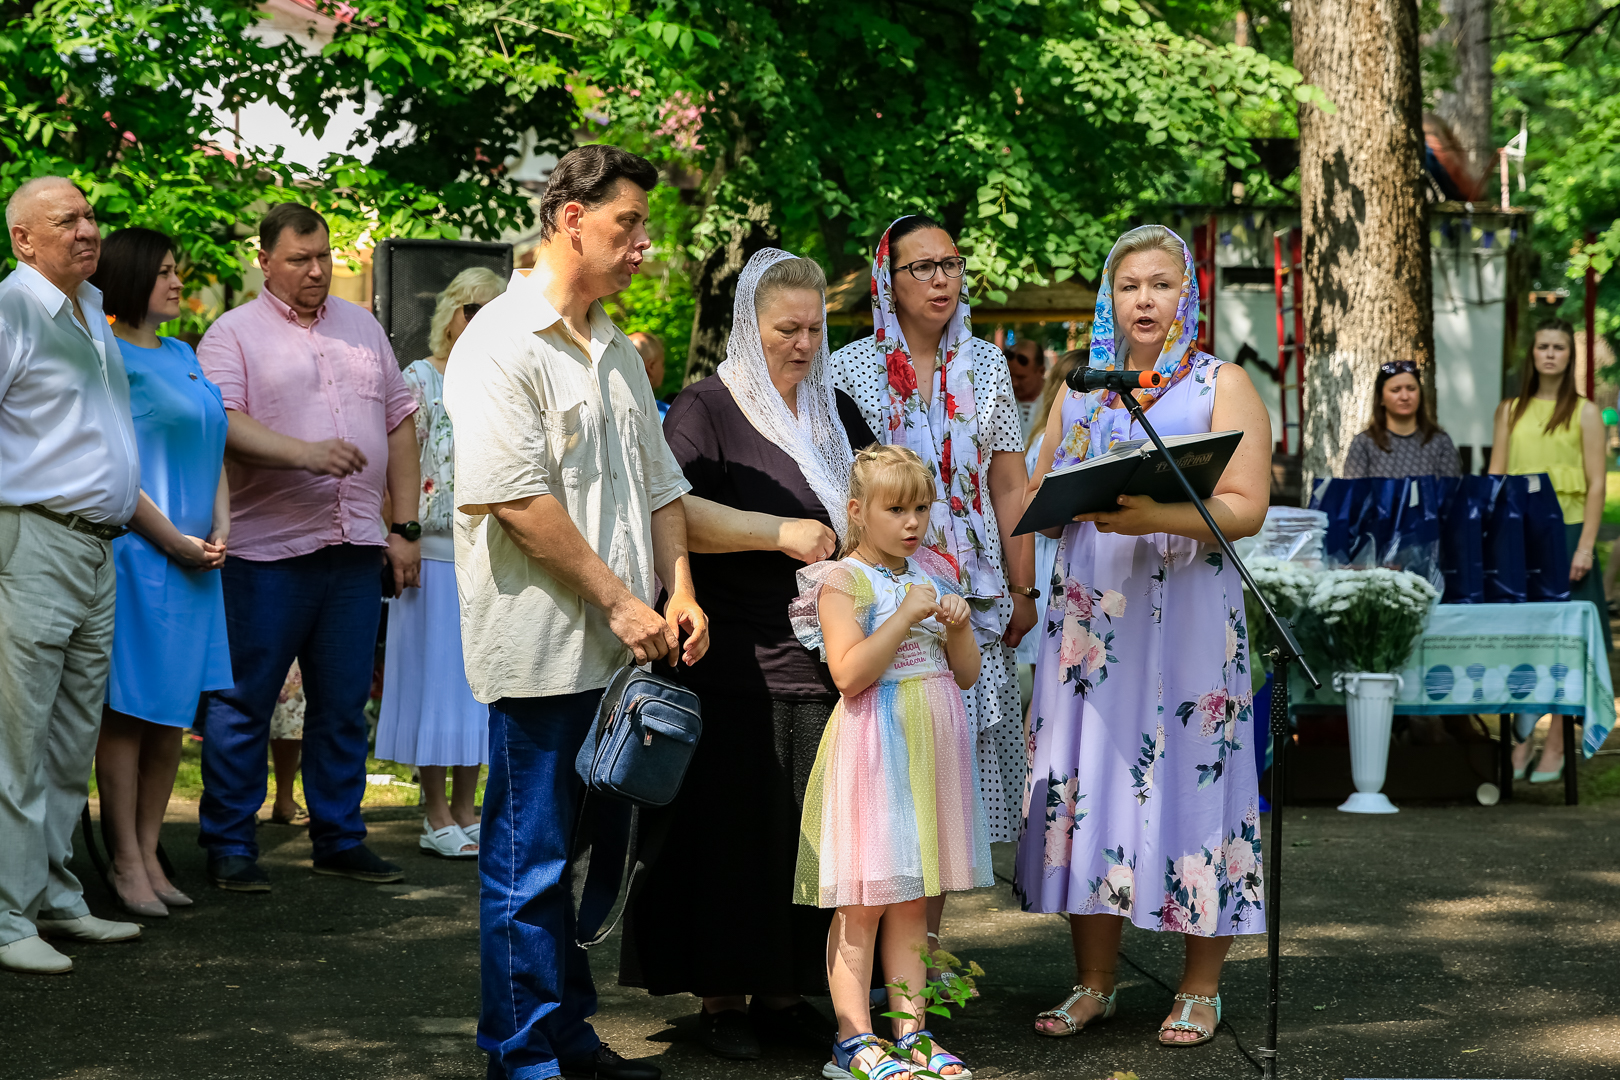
(1174, 362)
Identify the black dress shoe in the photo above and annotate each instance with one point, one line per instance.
(238, 873)
(728, 1034)
(361, 864)
(604, 1064)
(797, 1025)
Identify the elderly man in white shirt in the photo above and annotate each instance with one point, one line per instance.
(569, 501)
(69, 481)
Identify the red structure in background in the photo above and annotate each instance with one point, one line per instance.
(1589, 302)
(1287, 266)
(1204, 267)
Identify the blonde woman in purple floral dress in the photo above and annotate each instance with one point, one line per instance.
(1142, 802)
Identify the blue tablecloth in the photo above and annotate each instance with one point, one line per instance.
(1500, 658)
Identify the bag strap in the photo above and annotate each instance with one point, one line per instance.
(625, 878)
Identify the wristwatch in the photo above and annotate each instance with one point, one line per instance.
(1025, 590)
(410, 530)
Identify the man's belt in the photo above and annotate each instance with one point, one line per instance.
(79, 524)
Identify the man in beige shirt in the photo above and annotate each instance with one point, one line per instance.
(569, 502)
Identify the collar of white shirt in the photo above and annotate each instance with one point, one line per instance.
(543, 315)
(52, 297)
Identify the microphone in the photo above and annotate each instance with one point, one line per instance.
(1086, 379)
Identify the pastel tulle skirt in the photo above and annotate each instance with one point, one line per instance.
(892, 811)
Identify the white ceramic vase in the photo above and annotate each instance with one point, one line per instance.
(1369, 702)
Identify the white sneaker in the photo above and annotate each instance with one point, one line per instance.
(33, 956)
(89, 928)
(446, 843)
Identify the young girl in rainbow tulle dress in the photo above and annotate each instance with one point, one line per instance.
(892, 814)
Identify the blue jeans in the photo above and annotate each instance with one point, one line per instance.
(322, 608)
(538, 996)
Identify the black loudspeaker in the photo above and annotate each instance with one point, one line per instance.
(409, 275)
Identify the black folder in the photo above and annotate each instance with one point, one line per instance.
(1130, 468)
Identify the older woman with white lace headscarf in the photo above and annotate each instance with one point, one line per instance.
(766, 444)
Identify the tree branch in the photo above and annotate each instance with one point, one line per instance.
(1580, 33)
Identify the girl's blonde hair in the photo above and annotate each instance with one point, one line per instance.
(891, 471)
(476, 285)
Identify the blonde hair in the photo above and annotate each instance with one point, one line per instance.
(476, 285)
(1056, 373)
(885, 470)
(787, 274)
(1146, 238)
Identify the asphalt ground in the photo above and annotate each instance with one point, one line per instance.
(1457, 941)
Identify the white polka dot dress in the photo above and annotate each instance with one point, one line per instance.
(993, 703)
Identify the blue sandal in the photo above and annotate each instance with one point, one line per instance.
(937, 1059)
(1184, 1021)
(888, 1067)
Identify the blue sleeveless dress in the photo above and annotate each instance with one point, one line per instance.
(1143, 799)
(169, 642)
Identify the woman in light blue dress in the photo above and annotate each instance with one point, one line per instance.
(169, 641)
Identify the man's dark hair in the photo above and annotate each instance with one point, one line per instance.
(587, 175)
(296, 216)
(127, 271)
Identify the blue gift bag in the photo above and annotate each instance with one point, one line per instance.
(1346, 542)
(1414, 543)
(1462, 537)
(1379, 515)
(1546, 547)
(1504, 541)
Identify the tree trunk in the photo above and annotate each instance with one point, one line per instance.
(716, 289)
(1366, 235)
(1466, 107)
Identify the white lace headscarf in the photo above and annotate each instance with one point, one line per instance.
(815, 439)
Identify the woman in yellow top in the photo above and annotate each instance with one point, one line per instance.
(1550, 428)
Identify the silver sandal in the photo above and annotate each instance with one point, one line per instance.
(1184, 1021)
(1110, 1002)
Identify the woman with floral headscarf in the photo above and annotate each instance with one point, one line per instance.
(923, 381)
(1143, 798)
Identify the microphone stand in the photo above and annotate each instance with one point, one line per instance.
(1285, 652)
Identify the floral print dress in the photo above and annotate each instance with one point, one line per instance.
(438, 464)
(1143, 799)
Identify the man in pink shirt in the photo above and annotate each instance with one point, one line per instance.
(318, 432)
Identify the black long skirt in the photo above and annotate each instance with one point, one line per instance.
(712, 912)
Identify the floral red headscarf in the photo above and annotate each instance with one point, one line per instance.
(944, 432)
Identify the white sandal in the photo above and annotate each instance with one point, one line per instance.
(449, 842)
(1110, 1002)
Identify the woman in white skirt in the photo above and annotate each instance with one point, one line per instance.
(429, 717)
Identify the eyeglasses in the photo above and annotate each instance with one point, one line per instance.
(469, 310)
(924, 269)
(1399, 367)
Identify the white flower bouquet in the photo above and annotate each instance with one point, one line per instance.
(1368, 620)
(1286, 586)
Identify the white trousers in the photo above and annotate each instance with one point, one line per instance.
(56, 627)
